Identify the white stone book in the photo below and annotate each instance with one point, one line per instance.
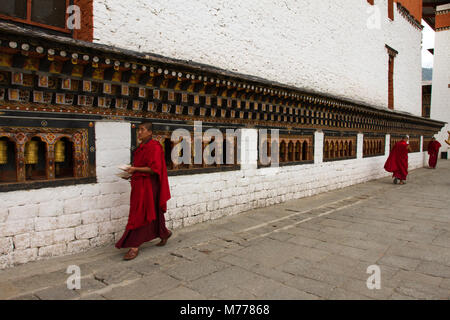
(123, 175)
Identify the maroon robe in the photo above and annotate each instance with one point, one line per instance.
(433, 151)
(397, 162)
(149, 196)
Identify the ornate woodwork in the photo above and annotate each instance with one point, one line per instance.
(47, 152)
(293, 148)
(228, 145)
(338, 146)
(414, 143)
(77, 138)
(373, 145)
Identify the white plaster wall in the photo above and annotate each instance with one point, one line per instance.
(417, 160)
(406, 39)
(359, 146)
(325, 46)
(440, 95)
(318, 146)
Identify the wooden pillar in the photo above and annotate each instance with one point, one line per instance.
(20, 161)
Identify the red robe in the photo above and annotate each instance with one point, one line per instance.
(149, 196)
(397, 162)
(433, 151)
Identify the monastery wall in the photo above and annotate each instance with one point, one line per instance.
(440, 96)
(36, 224)
(406, 39)
(330, 47)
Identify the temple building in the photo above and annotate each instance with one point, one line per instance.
(338, 81)
(439, 20)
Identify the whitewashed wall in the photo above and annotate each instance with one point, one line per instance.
(440, 96)
(38, 224)
(406, 39)
(326, 46)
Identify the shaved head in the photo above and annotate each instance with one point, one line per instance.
(147, 125)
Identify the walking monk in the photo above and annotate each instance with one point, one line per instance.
(397, 162)
(433, 151)
(149, 195)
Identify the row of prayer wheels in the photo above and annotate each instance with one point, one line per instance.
(32, 152)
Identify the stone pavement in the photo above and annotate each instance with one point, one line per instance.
(312, 248)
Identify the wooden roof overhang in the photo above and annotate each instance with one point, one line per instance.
(429, 11)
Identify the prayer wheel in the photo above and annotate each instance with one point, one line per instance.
(32, 152)
(60, 151)
(290, 151)
(3, 152)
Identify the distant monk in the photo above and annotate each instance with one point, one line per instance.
(397, 162)
(149, 195)
(433, 151)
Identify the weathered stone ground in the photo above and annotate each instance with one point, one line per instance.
(312, 248)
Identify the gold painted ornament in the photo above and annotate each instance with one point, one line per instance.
(31, 152)
(60, 151)
(3, 152)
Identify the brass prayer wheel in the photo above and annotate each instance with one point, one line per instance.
(31, 152)
(3, 152)
(60, 151)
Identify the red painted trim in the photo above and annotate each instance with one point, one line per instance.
(391, 9)
(443, 20)
(28, 10)
(414, 8)
(391, 83)
(66, 14)
(86, 33)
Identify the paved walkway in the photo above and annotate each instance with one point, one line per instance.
(313, 248)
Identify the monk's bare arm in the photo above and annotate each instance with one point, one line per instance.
(140, 169)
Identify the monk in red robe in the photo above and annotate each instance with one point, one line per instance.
(397, 162)
(149, 195)
(433, 151)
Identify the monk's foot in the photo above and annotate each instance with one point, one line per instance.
(401, 182)
(164, 241)
(131, 254)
